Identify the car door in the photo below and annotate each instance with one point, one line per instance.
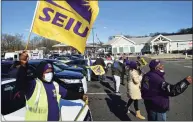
(12, 98)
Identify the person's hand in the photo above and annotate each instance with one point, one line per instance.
(189, 79)
(23, 58)
(84, 97)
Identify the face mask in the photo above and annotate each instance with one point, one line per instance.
(48, 77)
(161, 70)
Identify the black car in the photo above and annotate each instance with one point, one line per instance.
(79, 62)
(61, 65)
(68, 79)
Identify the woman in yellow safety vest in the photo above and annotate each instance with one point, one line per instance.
(42, 93)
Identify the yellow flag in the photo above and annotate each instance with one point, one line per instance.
(68, 21)
(143, 62)
(97, 69)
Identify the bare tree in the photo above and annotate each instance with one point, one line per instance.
(11, 42)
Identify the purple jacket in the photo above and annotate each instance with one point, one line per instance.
(156, 91)
(151, 90)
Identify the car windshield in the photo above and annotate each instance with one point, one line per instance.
(63, 58)
(59, 65)
(57, 69)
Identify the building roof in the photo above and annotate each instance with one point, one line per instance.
(142, 40)
(184, 37)
(87, 45)
(112, 41)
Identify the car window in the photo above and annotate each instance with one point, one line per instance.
(60, 64)
(74, 57)
(63, 58)
(57, 69)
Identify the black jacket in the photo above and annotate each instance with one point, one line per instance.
(100, 61)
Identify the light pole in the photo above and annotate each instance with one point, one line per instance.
(177, 47)
(93, 37)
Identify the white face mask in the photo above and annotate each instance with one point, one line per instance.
(161, 70)
(48, 77)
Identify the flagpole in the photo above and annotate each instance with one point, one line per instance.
(37, 4)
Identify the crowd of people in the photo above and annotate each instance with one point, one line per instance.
(151, 86)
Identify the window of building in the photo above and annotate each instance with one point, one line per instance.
(126, 49)
(120, 49)
(132, 49)
(114, 50)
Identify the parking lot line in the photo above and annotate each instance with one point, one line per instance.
(100, 93)
(188, 66)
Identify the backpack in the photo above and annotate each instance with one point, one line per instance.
(117, 65)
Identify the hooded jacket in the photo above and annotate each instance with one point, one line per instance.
(28, 87)
(134, 82)
(156, 91)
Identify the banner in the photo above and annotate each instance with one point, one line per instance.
(68, 22)
(97, 69)
(143, 62)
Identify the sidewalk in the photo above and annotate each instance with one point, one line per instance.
(169, 56)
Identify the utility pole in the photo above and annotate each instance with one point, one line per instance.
(177, 47)
(93, 37)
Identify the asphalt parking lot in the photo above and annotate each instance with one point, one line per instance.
(106, 106)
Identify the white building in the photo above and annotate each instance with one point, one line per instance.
(160, 43)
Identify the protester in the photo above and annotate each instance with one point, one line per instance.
(126, 72)
(123, 71)
(133, 88)
(89, 63)
(100, 61)
(117, 69)
(42, 93)
(156, 91)
(109, 57)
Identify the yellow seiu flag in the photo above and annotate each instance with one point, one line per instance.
(97, 69)
(66, 21)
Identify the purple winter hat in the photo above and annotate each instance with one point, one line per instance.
(154, 63)
(47, 66)
(133, 64)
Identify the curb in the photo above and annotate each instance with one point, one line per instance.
(173, 58)
(166, 58)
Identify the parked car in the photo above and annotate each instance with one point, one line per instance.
(61, 65)
(79, 56)
(68, 79)
(79, 63)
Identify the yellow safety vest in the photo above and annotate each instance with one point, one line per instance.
(37, 105)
